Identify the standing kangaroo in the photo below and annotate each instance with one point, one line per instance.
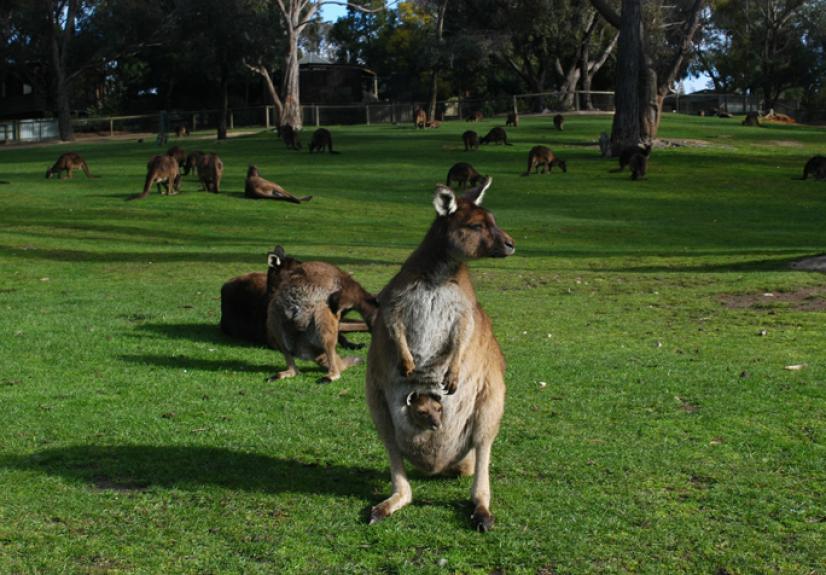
(210, 170)
(431, 332)
(307, 300)
(67, 163)
(816, 166)
(322, 138)
(513, 120)
(161, 170)
(471, 140)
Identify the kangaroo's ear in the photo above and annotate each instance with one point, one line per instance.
(444, 200)
(477, 194)
(273, 260)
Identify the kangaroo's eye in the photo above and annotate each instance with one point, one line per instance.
(475, 227)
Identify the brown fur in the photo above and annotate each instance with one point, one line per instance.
(420, 118)
(244, 301)
(424, 409)
(322, 138)
(161, 170)
(513, 120)
(210, 171)
(543, 156)
(290, 137)
(431, 331)
(69, 162)
(471, 140)
(497, 135)
(638, 164)
(476, 116)
(559, 122)
(630, 151)
(433, 124)
(306, 304)
(816, 167)
(181, 130)
(191, 163)
(257, 188)
(752, 119)
(464, 174)
(178, 153)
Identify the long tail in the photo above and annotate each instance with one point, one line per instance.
(146, 187)
(507, 143)
(86, 171)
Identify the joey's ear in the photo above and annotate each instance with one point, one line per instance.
(477, 194)
(410, 397)
(444, 200)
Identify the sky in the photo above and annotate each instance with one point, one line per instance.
(331, 12)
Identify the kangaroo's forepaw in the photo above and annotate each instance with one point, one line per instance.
(378, 513)
(482, 520)
(407, 367)
(451, 383)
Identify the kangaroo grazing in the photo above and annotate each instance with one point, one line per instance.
(476, 116)
(210, 170)
(69, 162)
(257, 188)
(431, 332)
(178, 153)
(463, 173)
(181, 130)
(513, 120)
(424, 409)
(306, 304)
(244, 301)
(161, 170)
(638, 164)
(322, 138)
(471, 140)
(816, 167)
(419, 118)
(497, 135)
(559, 122)
(290, 137)
(543, 156)
(629, 151)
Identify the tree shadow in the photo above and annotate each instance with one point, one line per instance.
(206, 332)
(141, 467)
(200, 364)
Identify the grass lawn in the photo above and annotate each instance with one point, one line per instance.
(667, 436)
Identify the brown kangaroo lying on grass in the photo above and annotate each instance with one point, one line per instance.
(244, 301)
(816, 167)
(210, 170)
(497, 135)
(431, 332)
(463, 173)
(543, 156)
(322, 138)
(257, 188)
(306, 304)
(559, 122)
(161, 170)
(290, 137)
(471, 140)
(513, 120)
(69, 162)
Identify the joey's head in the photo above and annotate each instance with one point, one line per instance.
(425, 409)
(466, 229)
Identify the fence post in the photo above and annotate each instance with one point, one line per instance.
(315, 112)
(231, 120)
(367, 113)
(194, 121)
(267, 117)
(111, 127)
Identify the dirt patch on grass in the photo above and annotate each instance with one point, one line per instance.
(805, 299)
(780, 144)
(813, 264)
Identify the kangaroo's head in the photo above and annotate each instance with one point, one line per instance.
(252, 172)
(465, 229)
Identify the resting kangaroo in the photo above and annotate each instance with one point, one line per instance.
(307, 301)
(210, 170)
(471, 140)
(559, 122)
(322, 138)
(244, 301)
(497, 135)
(69, 162)
(543, 156)
(161, 170)
(432, 332)
(513, 120)
(257, 188)
(816, 166)
(463, 173)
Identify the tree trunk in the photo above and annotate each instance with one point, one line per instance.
(222, 119)
(625, 130)
(291, 112)
(261, 70)
(434, 84)
(59, 47)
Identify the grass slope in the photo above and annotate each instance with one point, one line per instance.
(135, 438)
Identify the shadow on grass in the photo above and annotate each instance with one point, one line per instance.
(199, 364)
(207, 332)
(141, 467)
(759, 265)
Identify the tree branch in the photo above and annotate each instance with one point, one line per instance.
(606, 11)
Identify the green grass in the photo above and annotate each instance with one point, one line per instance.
(135, 438)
